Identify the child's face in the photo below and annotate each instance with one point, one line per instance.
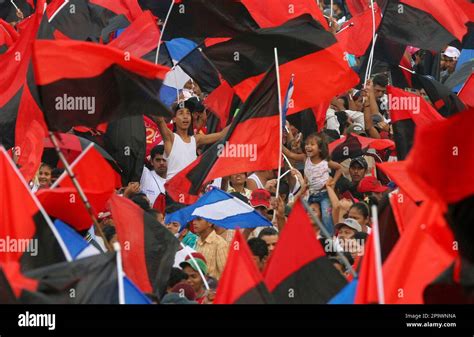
(311, 147)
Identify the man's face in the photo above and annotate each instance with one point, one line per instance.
(159, 164)
(183, 119)
(271, 241)
(200, 225)
(173, 227)
(357, 172)
(260, 262)
(194, 279)
(379, 91)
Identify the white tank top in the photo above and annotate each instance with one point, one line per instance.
(255, 178)
(182, 154)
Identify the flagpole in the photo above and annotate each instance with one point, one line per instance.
(199, 269)
(120, 273)
(162, 32)
(368, 71)
(378, 257)
(328, 236)
(280, 114)
(79, 189)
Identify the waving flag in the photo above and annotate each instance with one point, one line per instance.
(248, 288)
(286, 104)
(249, 145)
(315, 58)
(346, 295)
(299, 266)
(221, 209)
(108, 86)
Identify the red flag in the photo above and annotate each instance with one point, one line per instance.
(248, 287)
(219, 102)
(298, 266)
(357, 6)
(270, 13)
(466, 94)
(319, 112)
(148, 248)
(366, 292)
(356, 38)
(404, 209)
(96, 177)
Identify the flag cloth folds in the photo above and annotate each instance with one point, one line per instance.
(81, 83)
(420, 24)
(248, 287)
(148, 248)
(36, 241)
(299, 271)
(221, 209)
(305, 49)
(249, 145)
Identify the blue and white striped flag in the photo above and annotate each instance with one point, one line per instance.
(289, 94)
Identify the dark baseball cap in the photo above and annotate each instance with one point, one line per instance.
(361, 161)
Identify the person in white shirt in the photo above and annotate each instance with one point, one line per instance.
(152, 182)
(181, 145)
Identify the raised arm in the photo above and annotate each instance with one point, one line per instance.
(166, 134)
(211, 138)
(294, 156)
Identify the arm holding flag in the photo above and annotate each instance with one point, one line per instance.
(211, 138)
(166, 134)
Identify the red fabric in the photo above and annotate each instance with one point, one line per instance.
(18, 207)
(296, 247)
(52, 60)
(406, 62)
(357, 38)
(128, 219)
(130, 8)
(318, 78)
(219, 102)
(160, 203)
(404, 209)
(319, 112)
(366, 292)
(8, 34)
(153, 135)
(271, 13)
(373, 143)
(140, 37)
(16, 279)
(30, 130)
(357, 6)
(239, 262)
(426, 114)
(210, 41)
(450, 14)
(466, 94)
(97, 179)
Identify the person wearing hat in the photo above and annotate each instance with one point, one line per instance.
(358, 168)
(347, 229)
(180, 146)
(371, 187)
(449, 59)
(191, 267)
(260, 201)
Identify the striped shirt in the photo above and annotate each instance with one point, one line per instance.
(215, 249)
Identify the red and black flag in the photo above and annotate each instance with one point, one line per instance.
(81, 83)
(148, 248)
(8, 10)
(353, 145)
(249, 145)
(28, 232)
(8, 36)
(422, 24)
(248, 287)
(305, 50)
(98, 181)
(444, 100)
(408, 110)
(223, 102)
(466, 94)
(309, 120)
(299, 272)
(92, 280)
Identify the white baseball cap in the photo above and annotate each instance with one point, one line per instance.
(452, 52)
(349, 222)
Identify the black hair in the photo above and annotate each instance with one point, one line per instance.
(268, 231)
(157, 150)
(176, 276)
(56, 172)
(362, 208)
(109, 232)
(380, 80)
(139, 199)
(46, 165)
(173, 208)
(342, 185)
(240, 197)
(322, 142)
(284, 189)
(361, 236)
(343, 120)
(258, 247)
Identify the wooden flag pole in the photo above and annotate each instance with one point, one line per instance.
(79, 189)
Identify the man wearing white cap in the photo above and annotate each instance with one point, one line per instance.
(449, 58)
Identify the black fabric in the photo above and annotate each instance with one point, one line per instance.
(255, 51)
(304, 121)
(201, 70)
(8, 11)
(413, 27)
(315, 283)
(257, 295)
(460, 219)
(6, 293)
(160, 250)
(198, 19)
(8, 114)
(125, 141)
(91, 280)
(117, 93)
(48, 249)
(389, 233)
(403, 134)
